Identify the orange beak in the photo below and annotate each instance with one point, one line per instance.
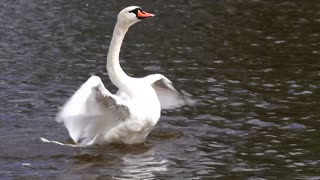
(142, 14)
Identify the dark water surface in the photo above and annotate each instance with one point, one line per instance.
(253, 66)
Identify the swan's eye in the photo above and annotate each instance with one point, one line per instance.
(135, 11)
(141, 14)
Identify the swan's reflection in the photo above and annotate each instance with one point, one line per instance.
(142, 166)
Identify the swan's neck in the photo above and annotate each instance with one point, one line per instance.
(116, 74)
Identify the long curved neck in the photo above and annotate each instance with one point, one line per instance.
(116, 74)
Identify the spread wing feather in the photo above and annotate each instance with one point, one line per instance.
(168, 96)
(91, 112)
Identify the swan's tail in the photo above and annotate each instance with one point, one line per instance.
(61, 144)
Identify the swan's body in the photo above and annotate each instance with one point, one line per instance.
(95, 116)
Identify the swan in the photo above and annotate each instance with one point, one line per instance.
(94, 116)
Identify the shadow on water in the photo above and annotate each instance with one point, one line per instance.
(253, 66)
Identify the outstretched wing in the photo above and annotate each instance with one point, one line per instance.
(91, 112)
(168, 96)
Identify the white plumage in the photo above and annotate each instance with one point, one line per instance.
(95, 116)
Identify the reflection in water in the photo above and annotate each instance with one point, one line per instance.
(115, 161)
(142, 166)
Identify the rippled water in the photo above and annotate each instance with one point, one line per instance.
(253, 66)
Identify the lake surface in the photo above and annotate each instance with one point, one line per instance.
(252, 65)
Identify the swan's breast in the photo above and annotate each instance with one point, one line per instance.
(145, 110)
(130, 132)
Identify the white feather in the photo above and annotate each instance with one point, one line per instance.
(95, 116)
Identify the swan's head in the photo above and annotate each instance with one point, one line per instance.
(133, 14)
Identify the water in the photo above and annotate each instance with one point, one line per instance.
(252, 65)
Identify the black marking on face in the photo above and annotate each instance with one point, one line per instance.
(135, 11)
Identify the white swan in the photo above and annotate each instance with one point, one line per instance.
(95, 116)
